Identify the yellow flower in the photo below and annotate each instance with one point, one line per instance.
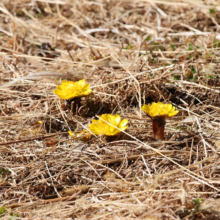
(82, 135)
(100, 127)
(159, 110)
(70, 90)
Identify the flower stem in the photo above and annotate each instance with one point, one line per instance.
(158, 127)
(74, 104)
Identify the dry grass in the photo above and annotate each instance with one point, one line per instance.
(131, 52)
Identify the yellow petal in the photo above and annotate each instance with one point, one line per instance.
(94, 120)
(94, 128)
(173, 113)
(123, 124)
(145, 108)
(81, 82)
(70, 133)
(117, 119)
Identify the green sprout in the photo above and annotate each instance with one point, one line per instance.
(148, 38)
(192, 69)
(197, 201)
(212, 10)
(190, 47)
(173, 47)
(128, 47)
(2, 209)
(177, 77)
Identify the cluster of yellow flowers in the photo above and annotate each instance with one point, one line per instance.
(112, 125)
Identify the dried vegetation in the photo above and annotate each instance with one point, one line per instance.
(131, 52)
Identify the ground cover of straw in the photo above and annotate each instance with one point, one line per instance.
(131, 53)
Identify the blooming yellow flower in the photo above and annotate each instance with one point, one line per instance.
(70, 90)
(100, 127)
(159, 110)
